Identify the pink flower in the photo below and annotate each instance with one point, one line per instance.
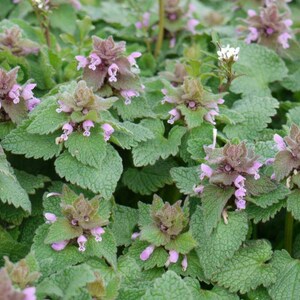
(60, 245)
(147, 252)
(279, 142)
(191, 24)
(97, 232)
(145, 21)
(175, 115)
(254, 169)
(14, 93)
(32, 103)
(128, 94)
(288, 23)
(210, 116)
(27, 93)
(76, 4)
(251, 12)
(166, 97)
(108, 131)
(173, 258)
(269, 161)
(135, 235)
(86, 125)
(283, 40)
(63, 107)
(252, 36)
(81, 242)
(95, 61)
(82, 61)
(206, 171)
(29, 293)
(51, 218)
(239, 181)
(68, 129)
(240, 204)
(198, 189)
(131, 58)
(172, 42)
(112, 72)
(184, 263)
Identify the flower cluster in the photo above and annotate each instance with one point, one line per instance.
(230, 166)
(82, 107)
(81, 218)
(12, 93)
(16, 281)
(169, 223)
(269, 27)
(108, 70)
(192, 95)
(228, 54)
(12, 40)
(287, 160)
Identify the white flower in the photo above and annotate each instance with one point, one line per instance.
(228, 53)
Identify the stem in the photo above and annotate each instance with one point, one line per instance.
(288, 234)
(160, 37)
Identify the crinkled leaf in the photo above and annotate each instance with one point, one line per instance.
(293, 204)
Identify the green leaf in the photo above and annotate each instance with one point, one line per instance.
(67, 283)
(88, 150)
(259, 214)
(64, 18)
(293, 116)
(257, 112)
(293, 204)
(149, 179)
(147, 153)
(51, 261)
(292, 82)
(61, 230)
(268, 199)
(258, 66)
(223, 242)
(107, 248)
(102, 180)
(125, 220)
(19, 141)
(248, 268)
(153, 235)
(169, 286)
(183, 243)
(5, 128)
(259, 294)
(284, 164)
(193, 118)
(287, 284)
(261, 186)
(214, 199)
(186, 179)
(47, 121)
(144, 214)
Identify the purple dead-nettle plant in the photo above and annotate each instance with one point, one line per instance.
(269, 27)
(287, 160)
(15, 99)
(169, 230)
(81, 219)
(16, 281)
(11, 39)
(191, 96)
(230, 166)
(176, 77)
(109, 71)
(83, 108)
(178, 17)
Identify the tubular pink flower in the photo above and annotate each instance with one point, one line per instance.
(131, 58)
(198, 189)
(63, 107)
(67, 128)
(147, 252)
(95, 61)
(251, 12)
(108, 131)
(173, 256)
(192, 104)
(87, 125)
(76, 4)
(206, 171)
(29, 293)
(240, 193)
(135, 235)
(172, 42)
(269, 161)
(60, 245)
(240, 204)
(97, 232)
(138, 25)
(270, 31)
(51, 218)
(184, 263)
(145, 21)
(81, 242)
(82, 61)
(112, 72)
(175, 115)
(288, 23)
(210, 116)
(27, 93)
(283, 40)
(14, 93)
(166, 97)
(32, 103)
(252, 36)
(128, 94)
(254, 169)
(191, 24)
(279, 142)
(273, 176)
(239, 181)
